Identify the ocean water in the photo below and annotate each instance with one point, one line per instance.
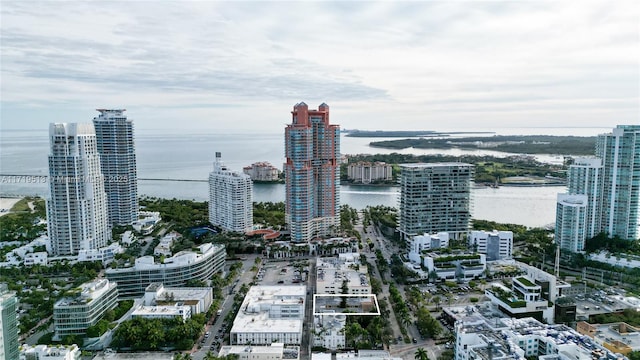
(163, 154)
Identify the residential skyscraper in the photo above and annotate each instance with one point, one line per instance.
(620, 154)
(77, 214)
(9, 345)
(585, 178)
(114, 133)
(230, 198)
(435, 197)
(571, 219)
(312, 173)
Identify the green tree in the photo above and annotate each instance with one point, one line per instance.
(437, 300)
(421, 354)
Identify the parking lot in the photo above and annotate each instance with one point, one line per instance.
(599, 302)
(282, 273)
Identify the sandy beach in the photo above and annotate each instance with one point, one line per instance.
(6, 204)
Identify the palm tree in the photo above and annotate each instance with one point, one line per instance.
(436, 300)
(421, 354)
(210, 356)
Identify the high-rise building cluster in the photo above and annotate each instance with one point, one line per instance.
(603, 192)
(230, 198)
(312, 173)
(92, 181)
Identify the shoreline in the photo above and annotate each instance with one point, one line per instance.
(7, 203)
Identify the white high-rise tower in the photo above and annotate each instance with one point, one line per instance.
(114, 133)
(620, 154)
(230, 198)
(77, 203)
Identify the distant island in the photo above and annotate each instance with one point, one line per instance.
(520, 144)
(405, 133)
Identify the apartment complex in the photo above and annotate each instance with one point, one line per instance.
(420, 244)
(344, 274)
(262, 171)
(620, 154)
(345, 271)
(174, 271)
(74, 315)
(312, 173)
(9, 345)
(462, 266)
(274, 351)
(50, 352)
(603, 192)
(230, 198)
(270, 314)
(367, 172)
(114, 133)
(496, 245)
(620, 337)
(77, 208)
(199, 299)
(571, 221)
(171, 311)
(584, 177)
(435, 197)
(532, 294)
(482, 334)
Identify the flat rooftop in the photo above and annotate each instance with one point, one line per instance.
(332, 271)
(88, 292)
(273, 349)
(609, 332)
(134, 356)
(254, 313)
(434, 165)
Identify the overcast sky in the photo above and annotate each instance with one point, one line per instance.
(379, 65)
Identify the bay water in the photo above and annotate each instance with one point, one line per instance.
(164, 154)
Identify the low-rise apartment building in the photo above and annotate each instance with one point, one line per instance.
(199, 299)
(344, 272)
(50, 352)
(175, 271)
(270, 314)
(456, 266)
(496, 245)
(501, 338)
(74, 315)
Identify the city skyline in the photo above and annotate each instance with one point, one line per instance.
(385, 65)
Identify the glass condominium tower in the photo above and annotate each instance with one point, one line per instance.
(77, 217)
(435, 197)
(9, 342)
(620, 154)
(312, 173)
(114, 133)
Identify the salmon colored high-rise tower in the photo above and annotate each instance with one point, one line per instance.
(312, 173)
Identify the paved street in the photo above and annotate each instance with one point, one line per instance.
(246, 276)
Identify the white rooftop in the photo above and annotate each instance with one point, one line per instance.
(253, 316)
(89, 292)
(273, 349)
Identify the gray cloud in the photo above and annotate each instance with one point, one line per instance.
(403, 59)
